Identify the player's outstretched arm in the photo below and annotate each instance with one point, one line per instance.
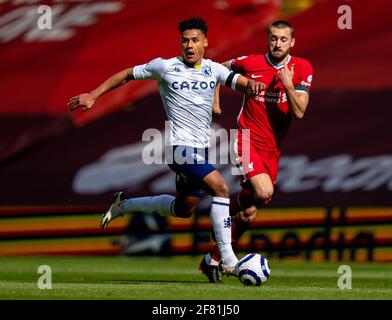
(87, 100)
(248, 86)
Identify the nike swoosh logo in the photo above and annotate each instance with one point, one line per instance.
(253, 76)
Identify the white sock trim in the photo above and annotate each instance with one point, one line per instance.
(221, 201)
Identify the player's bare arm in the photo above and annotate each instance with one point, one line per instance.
(216, 108)
(297, 101)
(250, 87)
(87, 100)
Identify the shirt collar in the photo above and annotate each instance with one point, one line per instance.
(278, 66)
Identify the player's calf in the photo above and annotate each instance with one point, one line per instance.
(185, 205)
(183, 212)
(263, 197)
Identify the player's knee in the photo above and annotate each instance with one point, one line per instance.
(263, 194)
(221, 189)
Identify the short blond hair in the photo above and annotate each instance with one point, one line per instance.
(281, 24)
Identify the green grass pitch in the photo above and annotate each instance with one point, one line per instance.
(178, 278)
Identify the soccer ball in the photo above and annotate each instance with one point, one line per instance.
(253, 269)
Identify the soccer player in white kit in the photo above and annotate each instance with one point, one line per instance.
(186, 85)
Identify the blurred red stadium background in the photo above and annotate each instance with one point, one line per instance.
(57, 168)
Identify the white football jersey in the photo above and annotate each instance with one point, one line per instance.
(187, 94)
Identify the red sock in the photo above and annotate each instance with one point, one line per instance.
(214, 253)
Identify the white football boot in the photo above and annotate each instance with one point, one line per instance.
(114, 211)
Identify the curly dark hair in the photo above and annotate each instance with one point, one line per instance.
(193, 23)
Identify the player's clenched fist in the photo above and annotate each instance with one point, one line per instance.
(254, 88)
(84, 101)
(286, 76)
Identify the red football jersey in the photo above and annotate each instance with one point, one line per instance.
(267, 115)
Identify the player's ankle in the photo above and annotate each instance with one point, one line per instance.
(210, 260)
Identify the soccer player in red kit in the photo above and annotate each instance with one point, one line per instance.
(267, 117)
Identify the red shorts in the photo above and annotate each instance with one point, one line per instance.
(255, 161)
